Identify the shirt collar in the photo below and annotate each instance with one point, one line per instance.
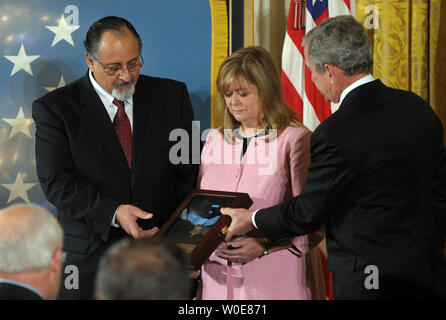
(357, 83)
(106, 98)
(23, 285)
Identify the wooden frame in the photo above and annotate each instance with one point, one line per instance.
(197, 225)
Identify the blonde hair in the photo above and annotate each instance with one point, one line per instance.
(255, 65)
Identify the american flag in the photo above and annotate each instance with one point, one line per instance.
(299, 91)
(41, 49)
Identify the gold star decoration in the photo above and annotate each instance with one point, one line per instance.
(20, 124)
(62, 32)
(18, 189)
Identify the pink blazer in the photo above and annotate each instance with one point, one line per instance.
(269, 172)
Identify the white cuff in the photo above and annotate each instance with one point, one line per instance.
(114, 223)
(253, 219)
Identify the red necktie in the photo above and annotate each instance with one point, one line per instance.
(122, 126)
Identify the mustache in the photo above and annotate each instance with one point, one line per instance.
(122, 83)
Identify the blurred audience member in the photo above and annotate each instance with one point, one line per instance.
(30, 253)
(143, 269)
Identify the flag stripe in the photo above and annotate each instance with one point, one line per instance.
(293, 64)
(338, 7)
(310, 119)
(291, 96)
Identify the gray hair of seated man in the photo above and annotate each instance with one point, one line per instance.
(29, 236)
(143, 269)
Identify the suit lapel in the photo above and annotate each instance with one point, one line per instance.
(93, 109)
(142, 120)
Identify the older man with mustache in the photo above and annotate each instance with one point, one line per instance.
(102, 149)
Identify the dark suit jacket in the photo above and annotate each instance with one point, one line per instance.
(83, 171)
(377, 181)
(13, 292)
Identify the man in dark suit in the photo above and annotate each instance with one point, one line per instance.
(30, 253)
(377, 179)
(103, 150)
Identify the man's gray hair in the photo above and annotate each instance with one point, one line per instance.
(340, 41)
(29, 236)
(143, 269)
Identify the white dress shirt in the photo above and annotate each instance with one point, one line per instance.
(107, 101)
(366, 79)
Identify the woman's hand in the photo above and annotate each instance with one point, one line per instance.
(243, 250)
(194, 274)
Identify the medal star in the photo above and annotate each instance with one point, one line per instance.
(21, 61)
(18, 189)
(20, 124)
(61, 84)
(62, 31)
(196, 230)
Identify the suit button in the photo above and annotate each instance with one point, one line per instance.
(235, 173)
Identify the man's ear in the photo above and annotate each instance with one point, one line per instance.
(56, 263)
(328, 68)
(333, 71)
(89, 61)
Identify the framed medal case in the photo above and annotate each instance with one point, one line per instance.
(197, 225)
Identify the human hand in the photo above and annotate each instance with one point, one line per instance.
(194, 274)
(243, 250)
(241, 222)
(127, 215)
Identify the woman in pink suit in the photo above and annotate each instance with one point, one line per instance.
(263, 150)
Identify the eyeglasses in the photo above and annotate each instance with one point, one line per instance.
(114, 68)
